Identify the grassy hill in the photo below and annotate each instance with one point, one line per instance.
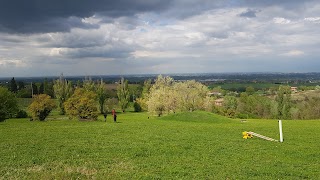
(197, 145)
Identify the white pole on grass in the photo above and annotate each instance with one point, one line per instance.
(280, 130)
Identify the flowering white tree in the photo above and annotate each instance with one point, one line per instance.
(191, 95)
(159, 97)
(167, 96)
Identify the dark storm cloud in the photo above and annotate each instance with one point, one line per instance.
(40, 16)
(36, 16)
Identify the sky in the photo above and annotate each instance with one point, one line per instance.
(104, 37)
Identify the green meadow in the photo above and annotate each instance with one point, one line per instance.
(197, 145)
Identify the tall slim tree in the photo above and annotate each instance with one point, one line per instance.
(34, 88)
(41, 88)
(123, 94)
(102, 95)
(48, 88)
(62, 90)
(146, 88)
(283, 99)
(13, 85)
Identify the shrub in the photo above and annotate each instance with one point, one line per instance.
(22, 114)
(137, 107)
(41, 106)
(82, 105)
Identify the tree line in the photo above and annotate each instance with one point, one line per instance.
(164, 95)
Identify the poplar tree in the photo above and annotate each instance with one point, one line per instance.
(123, 94)
(13, 86)
(62, 91)
(102, 95)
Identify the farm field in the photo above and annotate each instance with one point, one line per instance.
(197, 145)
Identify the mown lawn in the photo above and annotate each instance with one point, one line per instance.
(196, 145)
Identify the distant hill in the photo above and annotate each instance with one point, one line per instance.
(203, 77)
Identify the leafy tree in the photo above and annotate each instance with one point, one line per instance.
(230, 104)
(146, 88)
(168, 96)
(41, 89)
(209, 104)
(142, 101)
(8, 104)
(48, 87)
(102, 95)
(161, 96)
(255, 106)
(21, 114)
(156, 101)
(190, 95)
(110, 104)
(89, 85)
(135, 92)
(137, 107)
(123, 94)
(21, 85)
(82, 105)
(62, 90)
(78, 84)
(34, 89)
(41, 106)
(283, 100)
(25, 93)
(308, 108)
(13, 85)
(250, 90)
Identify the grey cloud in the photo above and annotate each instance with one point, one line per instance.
(249, 13)
(104, 52)
(78, 41)
(182, 9)
(34, 16)
(10, 39)
(218, 35)
(287, 4)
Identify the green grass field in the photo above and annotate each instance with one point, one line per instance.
(196, 145)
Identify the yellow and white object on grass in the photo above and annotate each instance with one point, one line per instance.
(246, 135)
